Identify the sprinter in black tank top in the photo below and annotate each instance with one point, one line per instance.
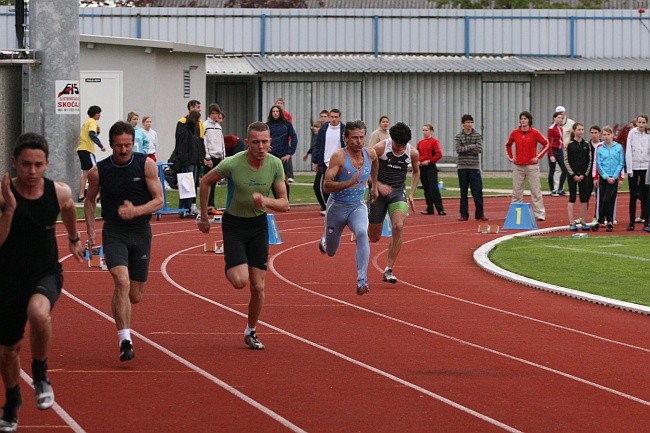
(30, 273)
(131, 192)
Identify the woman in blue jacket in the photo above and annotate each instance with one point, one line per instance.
(284, 140)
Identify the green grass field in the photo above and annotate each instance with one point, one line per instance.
(612, 266)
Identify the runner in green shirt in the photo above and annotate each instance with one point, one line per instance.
(251, 175)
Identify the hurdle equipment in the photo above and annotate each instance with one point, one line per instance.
(520, 217)
(274, 232)
(488, 228)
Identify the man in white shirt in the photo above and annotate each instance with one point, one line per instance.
(215, 147)
(329, 140)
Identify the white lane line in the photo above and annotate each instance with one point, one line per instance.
(333, 352)
(509, 313)
(268, 412)
(602, 253)
(455, 339)
(57, 408)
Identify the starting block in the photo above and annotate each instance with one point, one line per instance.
(488, 228)
(95, 258)
(213, 247)
(274, 232)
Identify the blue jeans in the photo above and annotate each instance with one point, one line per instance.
(470, 177)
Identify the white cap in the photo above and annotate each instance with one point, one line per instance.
(560, 109)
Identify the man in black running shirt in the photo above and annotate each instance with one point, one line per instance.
(30, 273)
(131, 192)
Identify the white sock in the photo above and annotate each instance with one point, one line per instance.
(248, 330)
(123, 334)
(387, 269)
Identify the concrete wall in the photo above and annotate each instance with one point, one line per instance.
(153, 85)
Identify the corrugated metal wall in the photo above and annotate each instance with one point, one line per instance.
(416, 99)
(603, 98)
(420, 31)
(305, 96)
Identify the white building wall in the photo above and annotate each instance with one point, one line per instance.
(153, 85)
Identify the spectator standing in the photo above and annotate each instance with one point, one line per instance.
(577, 159)
(469, 146)
(215, 147)
(152, 136)
(430, 153)
(556, 154)
(316, 186)
(330, 139)
(525, 160)
(88, 138)
(609, 161)
(188, 156)
(637, 163)
(141, 143)
(567, 130)
(288, 167)
(283, 139)
(381, 133)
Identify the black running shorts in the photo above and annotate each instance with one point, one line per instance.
(130, 246)
(245, 240)
(14, 301)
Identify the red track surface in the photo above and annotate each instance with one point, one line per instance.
(449, 348)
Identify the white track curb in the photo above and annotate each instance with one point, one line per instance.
(481, 258)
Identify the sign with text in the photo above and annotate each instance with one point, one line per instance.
(67, 96)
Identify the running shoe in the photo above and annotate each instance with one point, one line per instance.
(321, 245)
(389, 277)
(253, 342)
(610, 227)
(126, 350)
(290, 180)
(8, 423)
(646, 229)
(555, 194)
(362, 289)
(43, 394)
(573, 227)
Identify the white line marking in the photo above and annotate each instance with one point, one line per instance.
(57, 408)
(271, 414)
(458, 340)
(603, 253)
(333, 352)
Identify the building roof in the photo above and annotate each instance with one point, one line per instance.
(253, 65)
(149, 43)
(370, 4)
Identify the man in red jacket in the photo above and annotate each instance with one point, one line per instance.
(525, 161)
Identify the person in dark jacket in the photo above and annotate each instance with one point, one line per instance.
(329, 140)
(284, 140)
(188, 156)
(577, 160)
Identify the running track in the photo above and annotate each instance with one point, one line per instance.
(450, 348)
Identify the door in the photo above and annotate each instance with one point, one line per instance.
(102, 88)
